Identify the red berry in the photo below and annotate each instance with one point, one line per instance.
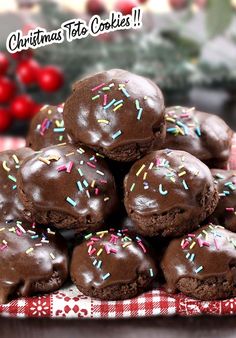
(4, 63)
(50, 78)
(126, 6)
(36, 108)
(95, 7)
(16, 55)
(5, 119)
(27, 71)
(22, 107)
(178, 4)
(7, 89)
(23, 55)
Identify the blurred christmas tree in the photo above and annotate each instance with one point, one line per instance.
(167, 55)
(169, 59)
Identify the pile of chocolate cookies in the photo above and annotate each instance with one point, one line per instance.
(118, 193)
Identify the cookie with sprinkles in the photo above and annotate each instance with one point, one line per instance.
(168, 193)
(203, 135)
(47, 128)
(225, 212)
(10, 205)
(117, 113)
(70, 187)
(112, 265)
(33, 260)
(202, 264)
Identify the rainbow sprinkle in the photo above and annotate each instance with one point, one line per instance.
(116, 134)
(71, 201)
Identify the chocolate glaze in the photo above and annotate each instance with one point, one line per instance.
(215, 253)
(225, 211)
(124, 265)
(82, 113)
(47, 128)
(88, 183)
(33, 260)
(203, 135)
(10, 206)
(169, 168)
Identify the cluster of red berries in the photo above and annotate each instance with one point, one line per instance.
(18, 72)
(124, 6)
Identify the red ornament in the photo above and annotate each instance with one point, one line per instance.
(126, 6)
(178, 4)
(7, 89)
(201, 3)
(28, 27)
(4, 63)
(50, 78)
(105, 37)
(143, 1)
(22, 107)
(5, 119)
(36, 108)
(94, 7)
(27, 71)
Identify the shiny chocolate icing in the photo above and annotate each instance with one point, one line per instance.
(112, 109)
(225, 212)
(33, 259)
(165, 180)
(74, 181)
(203, 135)
(208, 252)
(47, 128)
(10, 206)
(111, 257)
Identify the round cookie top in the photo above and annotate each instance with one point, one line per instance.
(210, 251)
(225, 212)
(112, 109)
(31, 258)
(10, 206)
(164, 180)
(110, 257)
(47, 128)
(74, 181)
(203, 135)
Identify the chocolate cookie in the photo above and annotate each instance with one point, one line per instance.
(203, 135)
(33, 259)
(169, 192)
(47, 128)
(117, 113)
(68, 187)
(202, 264)
(225, 212)
(10, 206)
(112, 265)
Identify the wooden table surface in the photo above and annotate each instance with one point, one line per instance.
(197, 327)
(212, 101)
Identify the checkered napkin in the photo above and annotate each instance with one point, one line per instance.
(70, 303)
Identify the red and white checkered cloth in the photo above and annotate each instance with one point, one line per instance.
(70, 303)
(7, 143)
